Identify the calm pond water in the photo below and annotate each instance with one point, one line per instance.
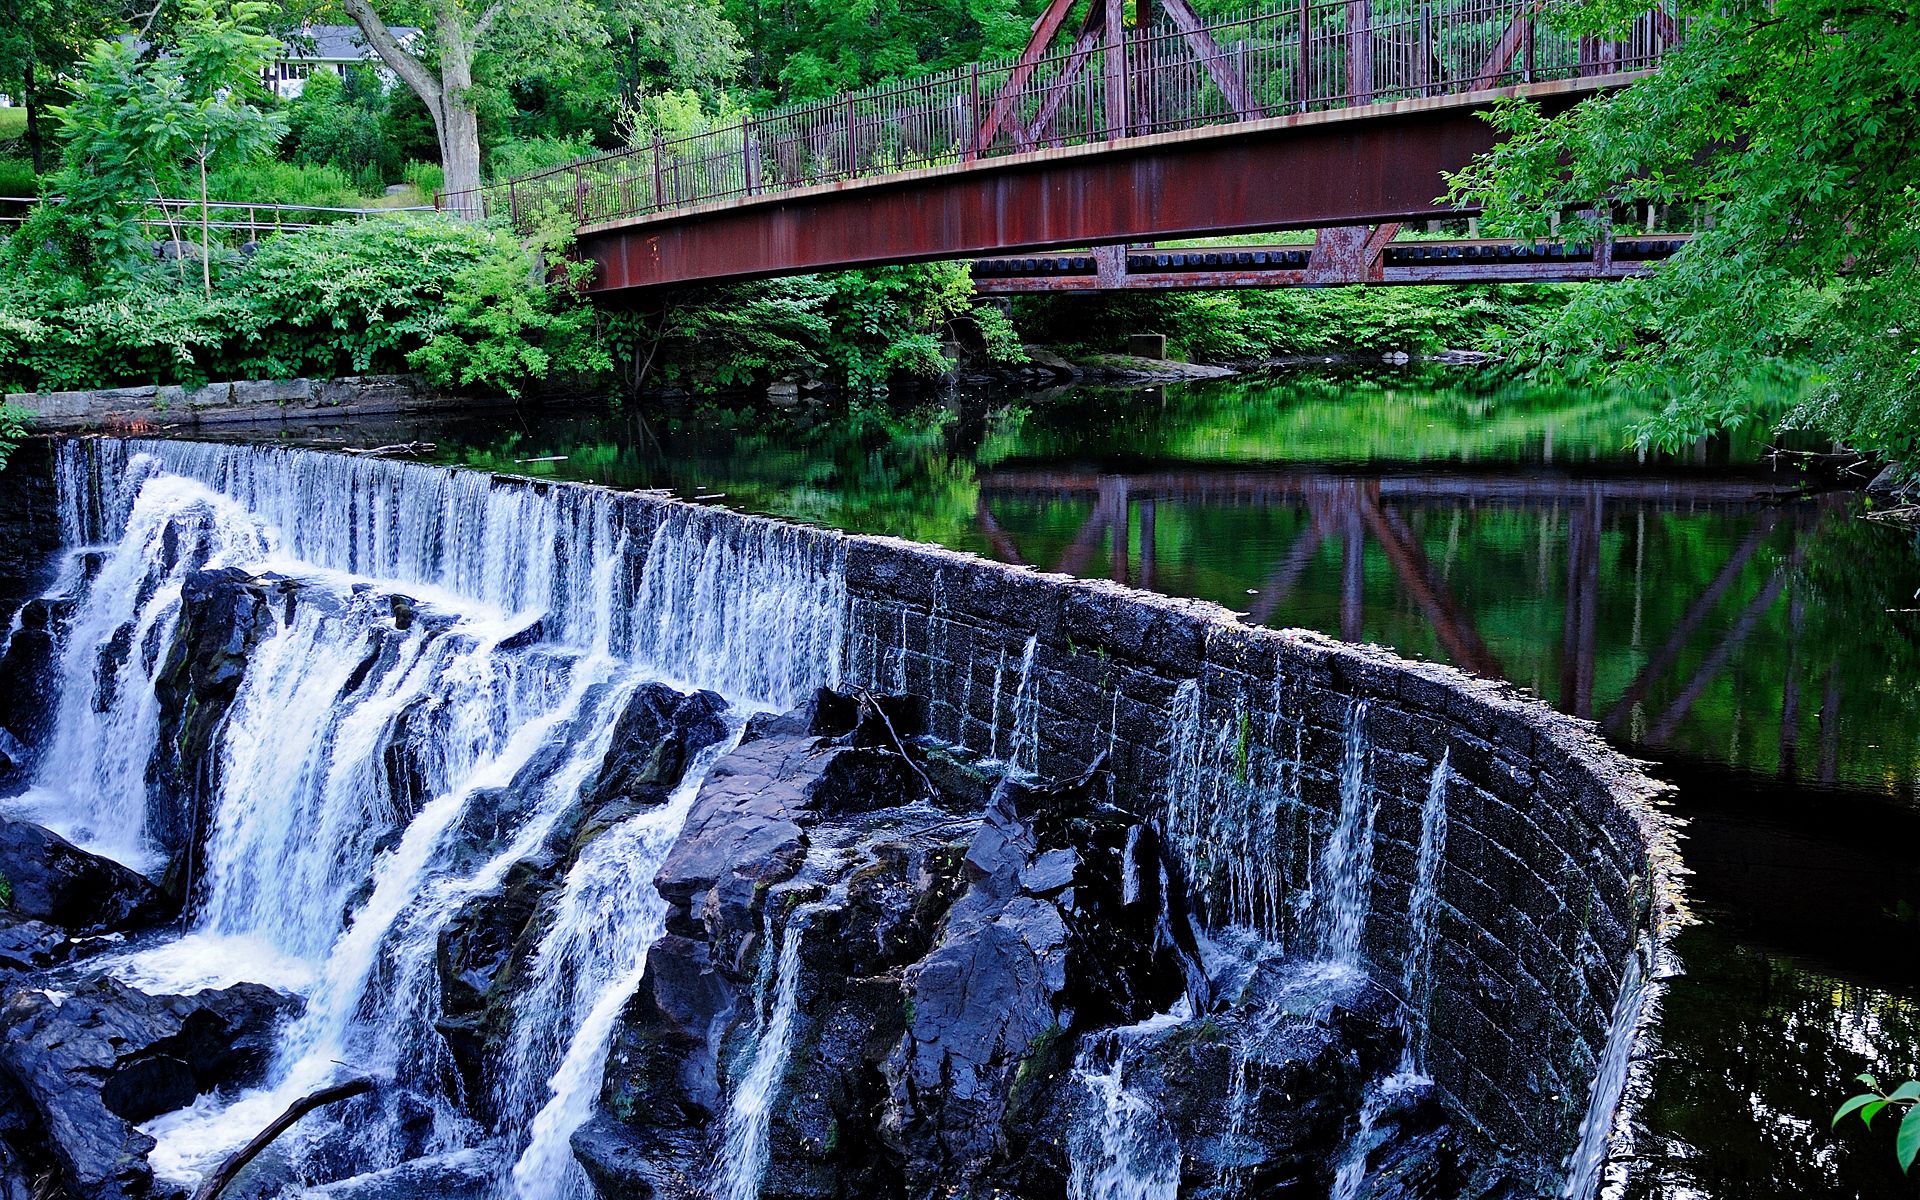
(1719, 612)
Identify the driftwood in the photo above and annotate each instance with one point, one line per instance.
(218, 1181)
(397, 448)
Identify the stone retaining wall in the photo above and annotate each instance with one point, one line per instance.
(1559, 879)
(230, 403)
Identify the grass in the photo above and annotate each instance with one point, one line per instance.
(17, 177)
(13, 123)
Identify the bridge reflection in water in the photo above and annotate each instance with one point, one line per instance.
(1478, 569)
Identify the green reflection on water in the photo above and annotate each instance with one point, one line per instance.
(1697, 603)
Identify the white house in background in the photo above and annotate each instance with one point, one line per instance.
(326, 48)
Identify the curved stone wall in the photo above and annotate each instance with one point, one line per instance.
(1559, 893)
(1546, 920)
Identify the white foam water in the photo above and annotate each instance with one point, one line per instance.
(586, 968)
(742, 1159)
(1123, 1149)
(375, 775)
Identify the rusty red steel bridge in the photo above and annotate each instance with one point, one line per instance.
(1340, 116)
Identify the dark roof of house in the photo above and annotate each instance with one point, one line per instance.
(337, 42)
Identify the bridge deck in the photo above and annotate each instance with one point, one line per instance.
(1326, 113)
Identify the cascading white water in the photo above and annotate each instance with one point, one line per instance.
(585, 970)
(1380, 1098)
(1125, 1150)
(92, 782)
(1630, 1008)
(751, 608)
(398, 769)
(1229, 798)
(1024, 754)
(1343, 888)
(1423, 915)
(742, 1159)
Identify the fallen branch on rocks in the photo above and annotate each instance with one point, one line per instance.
(408, 448)
(218, 1181)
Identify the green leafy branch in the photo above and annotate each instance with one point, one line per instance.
(1872, 1103)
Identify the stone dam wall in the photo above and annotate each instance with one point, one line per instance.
(1560, 877)
(1558, 891)
(232, 403)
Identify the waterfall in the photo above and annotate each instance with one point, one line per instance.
(1343, 888)
(91, 785)
(742, 1160)
(752, 608)
(1123, 1149)
(1024, 754)
(585, 970)
(1228, 799)
(1423, 915)
(1380, 1098)
(392, 770)
(1630, 1009)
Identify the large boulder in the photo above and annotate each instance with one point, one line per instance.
(92, 1065)
(224, 615)
(54, 881)
(1054, 933)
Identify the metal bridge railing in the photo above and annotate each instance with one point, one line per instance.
(1316, 55)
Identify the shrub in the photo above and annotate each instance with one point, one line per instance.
(427, 177)
(17, 178)
(273, 182)
(527, 155)
(457, 300)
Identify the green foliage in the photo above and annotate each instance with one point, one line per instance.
(270, 181)
(1790, 124)
(17, 177)
(354, 124)
(463, 302)
(137, 129)
(426, 177)
(528, 155)
(1904, 1099)
(1248, 325)
(6, 892)
(812, 48)
(857, 328)
(13, 426)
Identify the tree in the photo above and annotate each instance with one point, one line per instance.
(440, 69)
(40, 41)
(1791, 129)
(147, 129)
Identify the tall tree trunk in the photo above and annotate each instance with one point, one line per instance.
(449, 95)
(459, 123)
(31, 95)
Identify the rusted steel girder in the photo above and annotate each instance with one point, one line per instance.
(1359, 166)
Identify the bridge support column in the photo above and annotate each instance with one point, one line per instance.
(1110, 265)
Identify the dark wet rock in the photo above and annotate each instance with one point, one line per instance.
(816, 777)
(29, 674)
(53, 880)
(94, 1064)
(224, 615)
(657, 734)
(27, 945)
(483, 949)
(1047, 937)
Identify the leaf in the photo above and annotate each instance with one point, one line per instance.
(1906, 1092)
(1852, 1106)
(1907, 1145)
